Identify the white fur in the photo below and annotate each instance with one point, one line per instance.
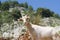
(43, 31)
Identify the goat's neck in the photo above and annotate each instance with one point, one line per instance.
(32, 31)
(29, 27)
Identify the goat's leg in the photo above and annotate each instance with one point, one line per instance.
(34, 36)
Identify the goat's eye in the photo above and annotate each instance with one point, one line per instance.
(27, 19)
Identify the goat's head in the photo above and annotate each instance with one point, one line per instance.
(25, 19)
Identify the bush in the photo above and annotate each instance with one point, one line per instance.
(16, 14)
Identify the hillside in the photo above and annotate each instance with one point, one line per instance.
(10, 12)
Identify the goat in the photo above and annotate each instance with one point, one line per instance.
(38, 32)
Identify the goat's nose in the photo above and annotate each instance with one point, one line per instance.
(26, 23)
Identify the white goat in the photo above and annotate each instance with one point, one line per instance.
(38, 32)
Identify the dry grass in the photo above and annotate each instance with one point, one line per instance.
(25, 36)
(5, 39)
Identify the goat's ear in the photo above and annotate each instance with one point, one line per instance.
(20, 19)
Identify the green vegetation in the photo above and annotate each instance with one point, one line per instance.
(45, 12)
(36, 19)
(36, 15)
(16, 14)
